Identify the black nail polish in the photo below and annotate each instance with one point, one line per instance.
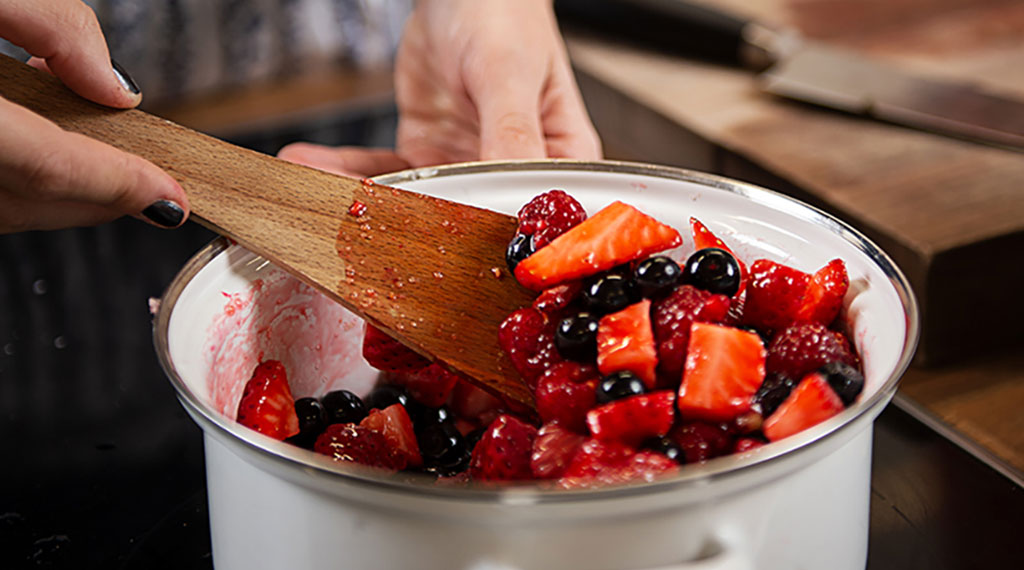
(164, 213)
(125, 78)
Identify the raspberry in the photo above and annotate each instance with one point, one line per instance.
(701, 441)
(549, 215)
(671, 318)
(564, 394)
(528, 337)
(803, 348)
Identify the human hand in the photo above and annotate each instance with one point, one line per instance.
(50, 178)
(476, 81)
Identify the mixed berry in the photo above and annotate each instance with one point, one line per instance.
(639, 361)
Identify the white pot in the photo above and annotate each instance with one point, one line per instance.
(798, 503)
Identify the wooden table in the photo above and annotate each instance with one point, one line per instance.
(951, 213)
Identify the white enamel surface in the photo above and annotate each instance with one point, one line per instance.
(794, 510)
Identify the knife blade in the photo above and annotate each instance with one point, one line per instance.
(793, 67)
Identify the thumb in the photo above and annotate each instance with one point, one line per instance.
(509, 115)
(68, 38)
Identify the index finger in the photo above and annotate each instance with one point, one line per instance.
(68, 37)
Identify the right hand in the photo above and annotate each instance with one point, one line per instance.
(50, 178)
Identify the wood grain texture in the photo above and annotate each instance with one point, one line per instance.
(942, 207)
(429, 271)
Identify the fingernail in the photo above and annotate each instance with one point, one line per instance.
(125, 78)
(164, 213)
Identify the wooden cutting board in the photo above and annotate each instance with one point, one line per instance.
(950, 213)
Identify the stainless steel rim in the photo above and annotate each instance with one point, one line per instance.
(715, 469)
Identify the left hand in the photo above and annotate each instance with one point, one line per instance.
(475, 80)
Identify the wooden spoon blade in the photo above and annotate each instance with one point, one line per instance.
(429, 271)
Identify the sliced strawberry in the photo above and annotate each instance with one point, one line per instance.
(267, 405)
(615, 235)
(633, 419)
(553, 449)
(724, 368)
(470, 402)
(823, 297)
(744, 444)
(625, 341)
(528, 337)
(549, 215)
(554, 299)
(703, 238)
(671, 318)
(803, 348)
(564, 394)
(811, 402)
(775, 293)
(358, 444)
(602, 463)
(504, 451)
(385, 353)
(430, 385)
(394, 424)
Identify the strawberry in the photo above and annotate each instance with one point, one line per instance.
(267, 405)
(811, 402)
(358, 444)
(805, 347)
(633, 419)
(503, 452)
(553, 449)
(700, 441)
(617, 234)
(549, 215)
(564, 394)
(601, 463)
(430, 385)
(671, 318)
(625, 341)
(394, 424)
(385, 353)
(775, 293)
(724, 368)
(557, 298)
(744, 444)
(703, 238)
(824, 294)
(528, 337)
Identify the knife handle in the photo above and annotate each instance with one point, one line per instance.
(676, 26)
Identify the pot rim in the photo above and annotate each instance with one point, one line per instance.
(729, 466)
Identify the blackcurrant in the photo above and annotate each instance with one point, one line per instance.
(443, 448)
(844, 379)
(714, 270)
(519, 249)
(341, 407)
(576, 337)
(656, 276)
(608, 293)
(773, 391)
(666, 446)
(619, 385)
(312, 419)
(384, 395)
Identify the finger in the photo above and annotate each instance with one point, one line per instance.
(507, 98)
(346, 160)
(568, 131)
(42, 164)
(68, 37)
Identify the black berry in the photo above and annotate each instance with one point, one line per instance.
(714, 270)
(341, 407)
(576, 337)
(844, 379)
(519, 249)
(312, 421)
(443, 448)
(619, 385)
(608, 293)
(657, 276)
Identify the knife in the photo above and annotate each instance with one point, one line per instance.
(795, 68)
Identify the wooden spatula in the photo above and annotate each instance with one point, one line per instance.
(428, 271)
